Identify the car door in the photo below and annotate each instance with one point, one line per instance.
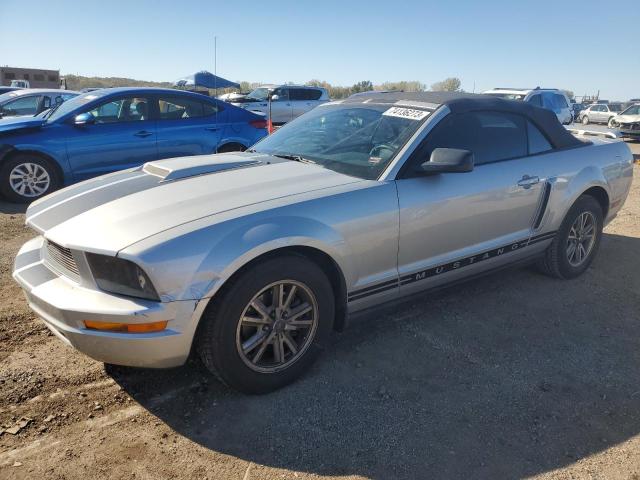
(303, 100)
(120, 135)
(457, 224)
(535, 99)
(281, 109)
(600, 112)
(188, 125)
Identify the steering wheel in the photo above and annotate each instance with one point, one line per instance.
(378, 149)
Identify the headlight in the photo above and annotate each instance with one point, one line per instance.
(117, 275)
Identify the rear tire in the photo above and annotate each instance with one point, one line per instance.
(248, 320)
(560, 259)
(26, 177)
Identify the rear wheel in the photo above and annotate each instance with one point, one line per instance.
(612, 123)
(576, 242)
(26, 177)
(269, 325)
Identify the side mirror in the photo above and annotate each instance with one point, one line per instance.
(275, 98)
(84, 119)
(448, 160)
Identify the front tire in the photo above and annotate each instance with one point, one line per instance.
(585, 120)
(577, 241)
(269, 325)
(26, 177)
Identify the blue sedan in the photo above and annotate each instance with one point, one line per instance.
(114, 129)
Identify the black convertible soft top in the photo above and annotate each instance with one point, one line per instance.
(544, 119)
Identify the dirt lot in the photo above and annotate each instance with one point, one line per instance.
(515, 375)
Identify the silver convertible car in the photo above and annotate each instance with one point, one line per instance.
(251, 259)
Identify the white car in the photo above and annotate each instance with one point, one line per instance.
(628, 122)
(599, 113)
(549, 98)
(287, 101)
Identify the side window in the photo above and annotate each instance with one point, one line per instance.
(22, 106)
(297, 94)
(283, 94)
(313, 94)
(536, 100)
(121, 110)
(180, 108)
(537, 141)
(491, 136)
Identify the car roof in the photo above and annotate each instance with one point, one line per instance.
(103, 92)
(459, 102)
(30, 91)
(522, 90)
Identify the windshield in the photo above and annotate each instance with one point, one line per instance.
(71, 105)
(357, 140)
(615, 107)
(508, 96)
(260, 94)
(632, 110)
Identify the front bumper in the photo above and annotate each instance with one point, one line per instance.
(63, 305)
(630, 130)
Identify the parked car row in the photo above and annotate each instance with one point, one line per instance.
(113, 129)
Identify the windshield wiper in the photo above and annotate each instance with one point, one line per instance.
(295, 158)
(51, 110)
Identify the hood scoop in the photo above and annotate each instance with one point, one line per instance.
(184, 167)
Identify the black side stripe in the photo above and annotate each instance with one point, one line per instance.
(543, 206)
(447, 267)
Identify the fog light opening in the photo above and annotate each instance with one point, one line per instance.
(125, 327)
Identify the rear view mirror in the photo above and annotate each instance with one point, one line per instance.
(448, 160)
(275, 98)
(84, 119)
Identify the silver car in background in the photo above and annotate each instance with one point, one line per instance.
(287, 101)
(550, 98)
(599, 113)
(253, 258)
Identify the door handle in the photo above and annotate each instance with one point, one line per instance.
(143, 134)
(527, 181)
(211, 129)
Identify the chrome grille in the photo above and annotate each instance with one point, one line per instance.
(62, 260)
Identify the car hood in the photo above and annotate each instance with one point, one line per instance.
(627, 118)
(10, 124)
(109, 213)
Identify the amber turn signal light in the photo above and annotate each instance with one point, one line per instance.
(126, 327)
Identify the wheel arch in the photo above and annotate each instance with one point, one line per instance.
(601, 195)
(321, 258)
(13, 152)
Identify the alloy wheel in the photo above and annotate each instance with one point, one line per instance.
(277, 326)
(582, 237)
(29, 179)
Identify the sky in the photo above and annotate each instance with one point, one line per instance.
(584, 46)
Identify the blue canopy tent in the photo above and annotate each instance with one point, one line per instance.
(205, 79)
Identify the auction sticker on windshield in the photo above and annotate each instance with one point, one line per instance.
(410, 113)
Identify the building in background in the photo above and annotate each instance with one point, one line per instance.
(36, 77)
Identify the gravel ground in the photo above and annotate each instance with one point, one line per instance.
(515, 375)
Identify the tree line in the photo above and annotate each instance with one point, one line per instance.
(78, 82)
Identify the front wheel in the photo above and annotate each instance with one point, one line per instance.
(576, 242)
(268, 326)
(25, 178)
(585, 120)
(612, 123)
